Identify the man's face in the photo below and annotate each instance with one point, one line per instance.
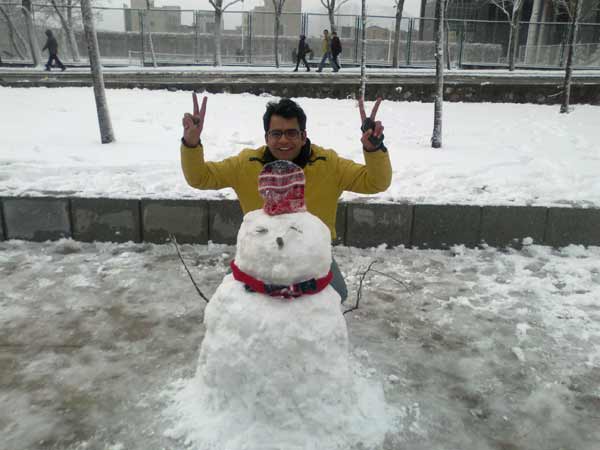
(284, 138)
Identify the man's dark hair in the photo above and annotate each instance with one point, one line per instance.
(287, 109)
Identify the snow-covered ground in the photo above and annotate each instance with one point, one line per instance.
(493, 153)
(478, 349)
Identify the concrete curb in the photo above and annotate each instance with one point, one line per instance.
(461, 86)
(358, 224)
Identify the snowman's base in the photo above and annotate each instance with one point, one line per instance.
(276, 373)
(362, 425)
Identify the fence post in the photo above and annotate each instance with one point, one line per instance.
(409, 40)
(142, 40)
(356, 39)
(462, 43)
(196, 38)
(250, 21)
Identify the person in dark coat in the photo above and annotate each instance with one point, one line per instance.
(303, 50)
(52, 46)
(336, 49)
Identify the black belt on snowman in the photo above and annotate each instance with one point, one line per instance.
(308, 287)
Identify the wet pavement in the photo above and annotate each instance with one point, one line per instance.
(479, 349)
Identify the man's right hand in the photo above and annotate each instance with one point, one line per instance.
(193, 123)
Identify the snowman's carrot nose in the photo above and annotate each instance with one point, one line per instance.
(279, 241)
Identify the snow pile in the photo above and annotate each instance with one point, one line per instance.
(275, 372)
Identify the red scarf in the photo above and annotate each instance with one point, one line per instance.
(308, 287)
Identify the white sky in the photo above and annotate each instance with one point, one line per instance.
(493, 153)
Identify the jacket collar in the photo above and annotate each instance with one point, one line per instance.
(301, 160)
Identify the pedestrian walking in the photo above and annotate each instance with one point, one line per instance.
(303, 50)
(336, 49)
(326, 48)
(52, 47)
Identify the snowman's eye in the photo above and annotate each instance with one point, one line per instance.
(297, 230)
(261, 230)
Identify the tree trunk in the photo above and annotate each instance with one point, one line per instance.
(514, 45)
(70, 12)
(106, 132)
(276, 37)
(399, 10)
(34, 46)
(564, 107)
(149, 31)
(12, 31)
(330, 13)
(447, 43)
(70, 36)
(363, 50)
(218, 19)
(436, 138)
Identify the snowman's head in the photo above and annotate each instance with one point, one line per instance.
(283, 243)
(284, 248)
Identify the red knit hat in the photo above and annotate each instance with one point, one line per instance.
(281, 185)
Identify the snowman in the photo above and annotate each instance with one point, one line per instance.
(274, 370)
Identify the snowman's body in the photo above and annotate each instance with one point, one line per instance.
(275, 372)
(272, 362)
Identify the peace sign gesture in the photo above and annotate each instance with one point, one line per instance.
(193, 124)
(372, 138)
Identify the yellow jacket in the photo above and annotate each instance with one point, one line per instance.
(327, 176)
(326, 45)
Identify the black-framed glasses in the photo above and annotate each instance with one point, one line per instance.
(290, 133)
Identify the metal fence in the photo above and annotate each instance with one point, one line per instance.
(185, 37)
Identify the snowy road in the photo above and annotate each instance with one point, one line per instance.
(480, 349)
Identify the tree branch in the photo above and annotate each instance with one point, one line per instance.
(233, 2)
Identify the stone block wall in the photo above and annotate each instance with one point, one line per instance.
(359, 224)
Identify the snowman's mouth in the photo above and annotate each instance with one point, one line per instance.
(280, 243)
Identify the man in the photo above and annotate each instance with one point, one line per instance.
(336, 49)
(327, 174)
(326, 49)
(303, 50)
(52, 46)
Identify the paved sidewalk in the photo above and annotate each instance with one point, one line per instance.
(480, 349)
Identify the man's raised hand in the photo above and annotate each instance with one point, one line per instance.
(193, 123)
(372, 138)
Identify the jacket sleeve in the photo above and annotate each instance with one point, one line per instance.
(370, 178)
(208, 175)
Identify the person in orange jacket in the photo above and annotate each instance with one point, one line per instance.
(327, 174)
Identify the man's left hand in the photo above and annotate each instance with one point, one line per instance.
(372, 138)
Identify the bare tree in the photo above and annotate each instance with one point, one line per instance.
(12, 32)
(574, 11)
(219, 10)
(34, 46)
(106, 131)
(399, 5)
(278, 7)
(332, 8)
(363, 50)
(149, 31)
(436, 138)
(68, 30)
(447, 36)
(512, 9)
